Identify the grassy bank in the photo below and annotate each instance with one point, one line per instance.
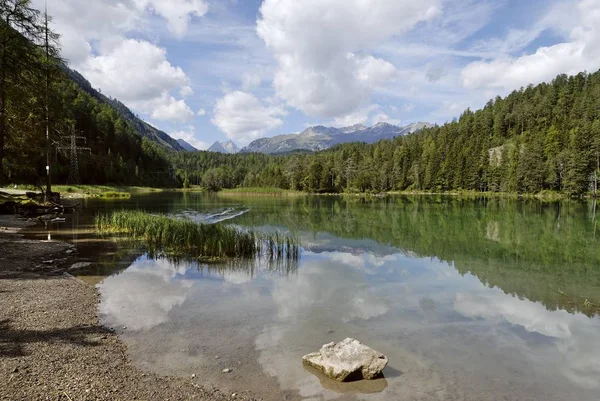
(11, 203)
(181, 237)
(545, 195)
(89, 191)
(258, 191)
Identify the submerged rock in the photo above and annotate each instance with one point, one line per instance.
(79, 265)
(347, 360)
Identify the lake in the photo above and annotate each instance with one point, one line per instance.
(488, 299)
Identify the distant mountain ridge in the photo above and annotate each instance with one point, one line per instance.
(186, 146)
(228, 147)
(143, 128)
(320, 137)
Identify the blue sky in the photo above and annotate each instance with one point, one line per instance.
(207, 70)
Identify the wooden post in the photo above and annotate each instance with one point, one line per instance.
(48, 170)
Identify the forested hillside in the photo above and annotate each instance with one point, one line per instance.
(540, 138)
(141, 127)
(36, 87)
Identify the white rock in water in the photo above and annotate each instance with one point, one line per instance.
(348, 359)
(79, 265)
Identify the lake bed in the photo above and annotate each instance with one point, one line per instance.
(470, 300)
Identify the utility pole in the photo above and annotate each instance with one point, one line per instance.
(596, 175)
(47, 108)
(73, 150)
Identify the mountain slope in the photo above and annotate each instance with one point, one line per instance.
(228, 147)
(320, 137)
(143, 128)
(186, 146)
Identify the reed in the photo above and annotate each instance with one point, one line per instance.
(181, 237)
(113, 195)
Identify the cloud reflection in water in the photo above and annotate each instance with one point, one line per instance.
(142, 296)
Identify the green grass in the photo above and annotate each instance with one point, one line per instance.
(544, 195)
(10, 203)
(192, 188)
(113, 195)
(185, 238)
(106, 191)
(260, 191)
(88, 191)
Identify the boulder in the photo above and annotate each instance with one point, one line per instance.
(347, 360)
(79, 266)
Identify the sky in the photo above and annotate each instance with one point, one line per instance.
(214, 70)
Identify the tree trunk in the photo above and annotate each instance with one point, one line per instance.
(47, 107)
(2, 111)
(596, 175)
(3, 67)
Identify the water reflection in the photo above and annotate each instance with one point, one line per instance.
(356, 387)
(446, 334)
(213, 216)
(574, 336)
(142, 296)
(471, 300)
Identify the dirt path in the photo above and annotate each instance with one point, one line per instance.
(51, 344)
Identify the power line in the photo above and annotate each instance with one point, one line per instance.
(74, 150)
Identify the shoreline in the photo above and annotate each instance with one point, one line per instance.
(121, 191)
(547, 197)
(52, 345)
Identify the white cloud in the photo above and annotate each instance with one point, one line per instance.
(384, 118)
(130, 299)
(140, 64)
(250, 81)
(320, 48)
(186, 91)
(573, 333)
(373, 71)
(201, 112)
(189, 136)
(580, 53)
(243, 117)
(178, 13)
(82, 22)
(408, 107)
(167, 108)
(94, 39)
(360, 116)
(435, 72)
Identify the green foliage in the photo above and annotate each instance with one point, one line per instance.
(26, 65)
(38, 91)
(111, 195)
(260, 191)
(206, 241)
(539, 138)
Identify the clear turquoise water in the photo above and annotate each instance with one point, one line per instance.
(470, 299)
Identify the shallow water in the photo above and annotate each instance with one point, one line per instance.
(470, 300)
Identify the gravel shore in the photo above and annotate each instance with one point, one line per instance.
(52, 346)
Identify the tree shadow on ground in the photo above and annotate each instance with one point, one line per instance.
(13, 341)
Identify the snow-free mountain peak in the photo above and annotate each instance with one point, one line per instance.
(224, 147)
(186, 146)
(353, 128)
(320, 137)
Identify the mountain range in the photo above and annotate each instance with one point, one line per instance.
(320, 137)
(224, 147)
(312, 139)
